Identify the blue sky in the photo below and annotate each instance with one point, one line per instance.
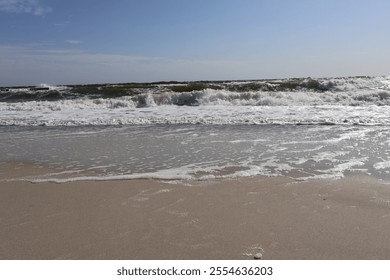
(96, 41)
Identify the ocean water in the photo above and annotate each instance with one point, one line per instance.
(300, 128)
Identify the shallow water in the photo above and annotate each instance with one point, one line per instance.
(199, 151)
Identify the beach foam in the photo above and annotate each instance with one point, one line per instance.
(302, 128)
(76, 113)
(205, 152)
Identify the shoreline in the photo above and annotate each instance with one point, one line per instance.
(222, 219)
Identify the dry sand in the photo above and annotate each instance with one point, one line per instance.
(229, 219)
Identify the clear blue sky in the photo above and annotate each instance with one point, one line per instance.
(92, 41)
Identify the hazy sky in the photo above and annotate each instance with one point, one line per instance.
(93, 41)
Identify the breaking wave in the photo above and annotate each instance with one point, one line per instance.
(292, 101)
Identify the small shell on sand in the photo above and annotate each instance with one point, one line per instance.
(258, 256)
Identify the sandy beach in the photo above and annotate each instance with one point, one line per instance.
(195, 130)
(220, 219)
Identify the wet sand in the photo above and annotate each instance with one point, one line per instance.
(227, 219)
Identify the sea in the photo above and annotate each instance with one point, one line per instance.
(303, 128)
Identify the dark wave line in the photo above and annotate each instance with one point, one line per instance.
(190, 90)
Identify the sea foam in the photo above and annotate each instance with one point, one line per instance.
(356, 101)
(197, 152)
